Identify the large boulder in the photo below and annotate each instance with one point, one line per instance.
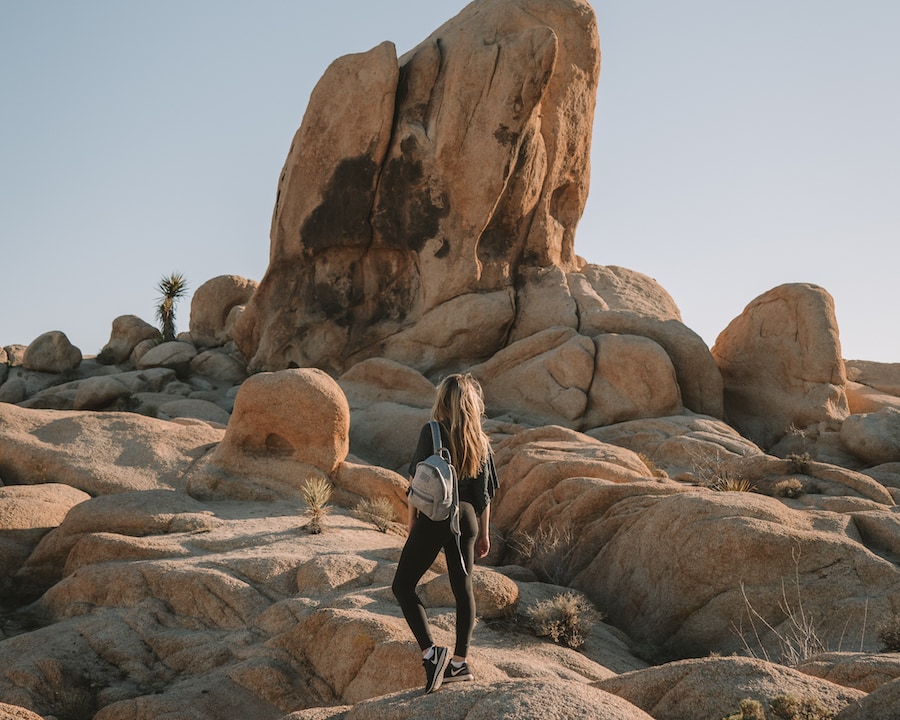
(874, 437)
(98, 452)
(541, 380)
(128, 331)
(413, 183)
(215, 307)
(51, 353)
(27, 513)
(286, 426)
(781, 363)
(715, 687)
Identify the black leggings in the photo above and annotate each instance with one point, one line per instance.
(422, 547)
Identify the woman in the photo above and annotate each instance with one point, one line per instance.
(458, 408)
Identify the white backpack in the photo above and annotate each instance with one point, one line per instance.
(434, 490)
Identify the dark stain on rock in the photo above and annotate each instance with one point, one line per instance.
(343, 216)
(410, 206)
(505, 136)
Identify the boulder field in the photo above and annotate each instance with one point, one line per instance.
(711, 525)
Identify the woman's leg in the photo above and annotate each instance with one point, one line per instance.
(422, 546)
(461, 580)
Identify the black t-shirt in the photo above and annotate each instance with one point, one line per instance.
(477, 490)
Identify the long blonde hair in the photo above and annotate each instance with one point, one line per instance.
(460, 404)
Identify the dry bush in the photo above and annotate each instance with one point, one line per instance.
(549, 553)
(889, 635)
(788, 707)
(800, 641)
(565, 618)
(788, 488)
(750, 710)
(378, 511)
(712, 473)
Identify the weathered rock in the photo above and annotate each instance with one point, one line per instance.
(864, 399)
(442, 205)
(15, 354)
(699, 379)
(884, 377)
(127, 332)
(781, 363)
(380, 380)
(541, 380)
(14, 712)
(286, 427)
(874, 437)
(681, 444)
(697, 599)
(354, 482)
(528, 699)
(882, 703)
(496, 596)
(633, 378)
(601, 288)
(386, 433)
(863, 671)
(176, 355)
(96, 393)
(27, 513)
(193, 408)
(544, 301)
(715, 687)
(215, 306)
(51, 353)
(98, 452)
(220, 365)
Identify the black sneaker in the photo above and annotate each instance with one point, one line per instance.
(434, 668)
(457, 674)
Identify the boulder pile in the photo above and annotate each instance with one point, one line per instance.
(714, 526)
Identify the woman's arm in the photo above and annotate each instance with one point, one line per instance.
(483, 542)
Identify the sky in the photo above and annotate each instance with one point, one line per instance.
(738, 145)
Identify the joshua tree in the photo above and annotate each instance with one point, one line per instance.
(171, 289)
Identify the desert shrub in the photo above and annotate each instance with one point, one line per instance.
(378, 511)
(788, 707)
(731, 483)
(789, 488)
(316, 494)
(654, 469)
(713, 473)
(889, 635)
(565, 618)
(549, 553)
(750, 710)
(799, 462)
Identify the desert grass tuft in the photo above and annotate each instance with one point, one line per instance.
(379, 511)
(565, 618)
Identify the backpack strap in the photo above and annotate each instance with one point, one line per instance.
(436, 441)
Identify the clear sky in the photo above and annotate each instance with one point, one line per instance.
(738, 145)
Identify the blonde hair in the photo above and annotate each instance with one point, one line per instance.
(460, 404)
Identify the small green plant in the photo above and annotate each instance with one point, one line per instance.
(788, 707)
(171, 289)
(378, 511)
(889, 635)
(316, 494)
(750, 710)
(565, 618)
(788, 488)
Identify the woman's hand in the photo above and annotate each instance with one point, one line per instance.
(482, 545)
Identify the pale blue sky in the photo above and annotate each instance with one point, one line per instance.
(738, 145)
